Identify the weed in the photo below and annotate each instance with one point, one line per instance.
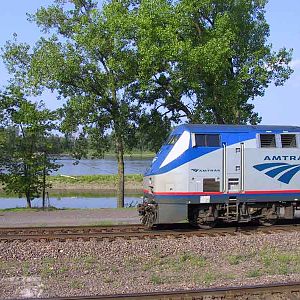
(278, 262)
(114, 269)
(108, 279)
(47, 267)
(192, 259)
(25, 268)
(155, 279)
(89, 260)
(131, 262)
(228, 276)
(235, 259)
(62, 270)
(209, 277)
(76, 284)
(254, 273)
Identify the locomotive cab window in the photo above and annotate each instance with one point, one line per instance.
(207, 140)
(173, 139)
(267, 141)
(288, 141)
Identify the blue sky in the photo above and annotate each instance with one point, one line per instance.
(280, 105)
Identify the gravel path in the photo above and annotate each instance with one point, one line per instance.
(49, 269)
(69, 217)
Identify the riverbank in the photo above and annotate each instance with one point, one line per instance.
(93, 184)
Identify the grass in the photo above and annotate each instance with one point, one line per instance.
(156, 279)
(279, 262)
(192, 259)
(235, 259)
(254, 273)
(76, 284)
(209, 277)
(177, 263)
(100, 179)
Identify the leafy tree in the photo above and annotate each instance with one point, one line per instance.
(153, 130)
(87, 56)
(25, 154)
(204, 60)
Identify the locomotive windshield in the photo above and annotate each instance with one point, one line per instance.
(173, 139)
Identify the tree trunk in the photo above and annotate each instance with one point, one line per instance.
(121, 179)
(44, 180)
(28, 200)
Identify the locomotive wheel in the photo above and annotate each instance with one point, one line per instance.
(150, 216)
(267, 222)
(149, 219)
(267, 218)
(207, 225)
(202, 217)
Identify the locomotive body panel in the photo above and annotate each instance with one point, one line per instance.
(217, 164)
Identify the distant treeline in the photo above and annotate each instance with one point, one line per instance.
(68, 145)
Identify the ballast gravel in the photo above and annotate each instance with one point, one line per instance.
(74, 268)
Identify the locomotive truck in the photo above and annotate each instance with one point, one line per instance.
(230, 173)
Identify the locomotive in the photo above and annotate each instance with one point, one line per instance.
(204, 174)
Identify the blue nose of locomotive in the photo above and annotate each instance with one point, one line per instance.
(159, 159)
(177, 144)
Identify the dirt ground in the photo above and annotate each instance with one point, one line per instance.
(99, 216)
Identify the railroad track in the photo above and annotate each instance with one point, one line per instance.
(111, 233)
(290, 291)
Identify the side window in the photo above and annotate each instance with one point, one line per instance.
(288, 141)
(267, 141)
(207, 140)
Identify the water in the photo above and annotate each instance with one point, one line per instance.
(72, 202)
(101, 166)
(86, 167)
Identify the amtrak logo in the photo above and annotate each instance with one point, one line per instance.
(286, 171)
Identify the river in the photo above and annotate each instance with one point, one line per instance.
(101, 166)
(86, 167)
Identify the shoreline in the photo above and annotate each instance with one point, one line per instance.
(92, 184)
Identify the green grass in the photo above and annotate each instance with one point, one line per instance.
(101, 179)
(192, 259)
(209, 277)
(235, 259)
(182, 261)
(156, 279)
(254, 273)
(279, 262)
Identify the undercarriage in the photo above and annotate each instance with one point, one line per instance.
(266, 213)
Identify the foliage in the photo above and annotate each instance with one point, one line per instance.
(25, 154)
(203, 60)
(88, 55)
(131, 69)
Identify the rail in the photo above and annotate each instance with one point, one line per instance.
(270, 291)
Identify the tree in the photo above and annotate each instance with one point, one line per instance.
(89, 60)
(25, 153)
(204, 60)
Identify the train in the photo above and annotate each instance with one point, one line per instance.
(206, 174)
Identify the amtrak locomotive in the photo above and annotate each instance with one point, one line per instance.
(210, 173)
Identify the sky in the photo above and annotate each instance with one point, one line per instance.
(279, 106)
